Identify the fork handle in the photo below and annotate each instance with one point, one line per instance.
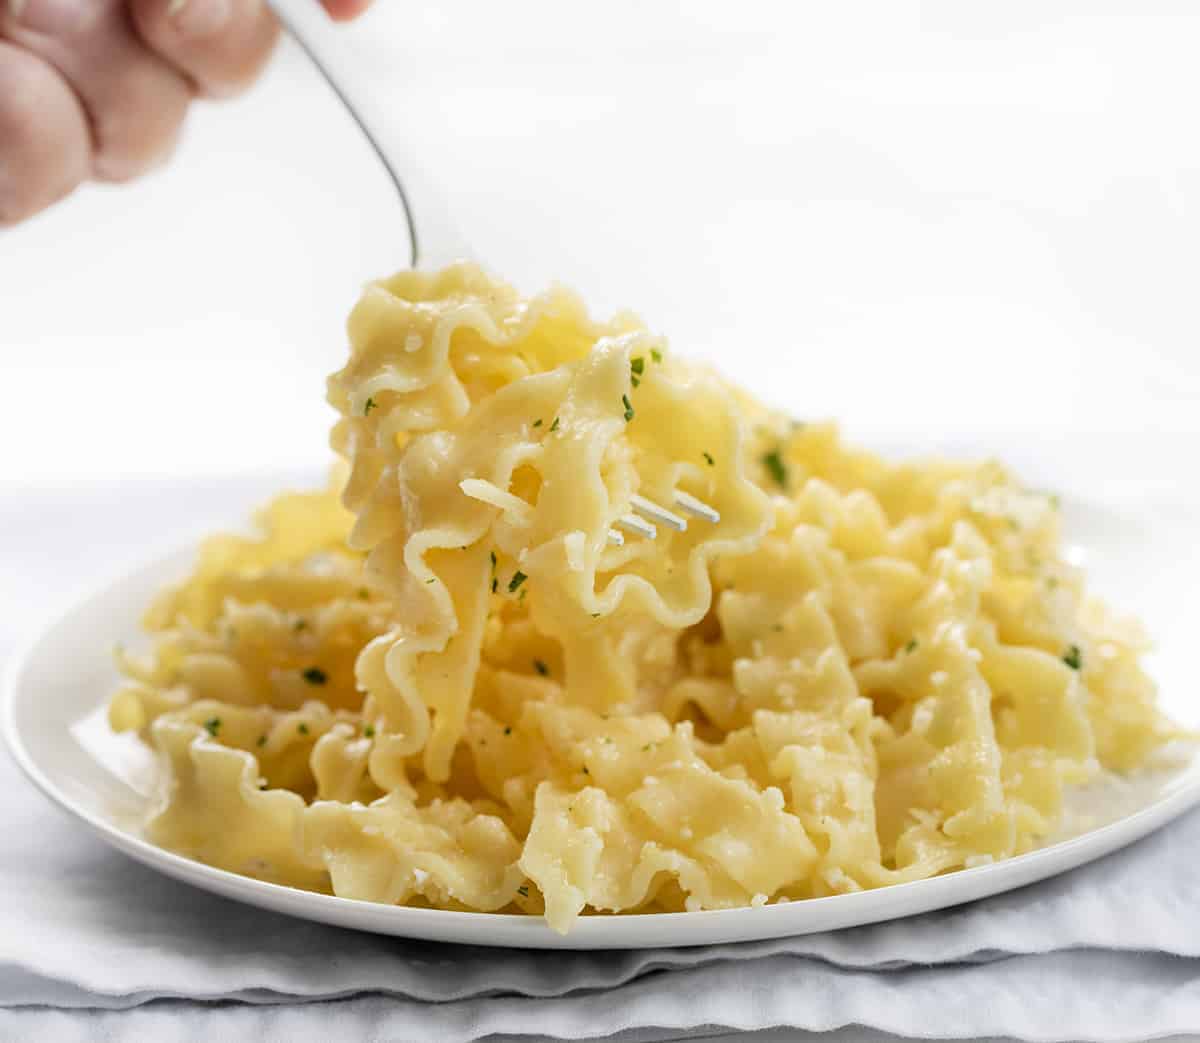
(438, 240)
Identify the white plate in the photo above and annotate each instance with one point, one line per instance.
(54, 724)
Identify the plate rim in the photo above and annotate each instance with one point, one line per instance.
(602, 931)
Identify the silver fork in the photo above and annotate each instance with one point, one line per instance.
(643, 514)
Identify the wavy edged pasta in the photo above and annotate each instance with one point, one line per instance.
(456, 690)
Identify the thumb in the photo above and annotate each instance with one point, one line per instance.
(344, 10)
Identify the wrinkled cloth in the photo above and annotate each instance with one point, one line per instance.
(96, 946)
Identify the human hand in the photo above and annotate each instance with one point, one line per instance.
(98, 89)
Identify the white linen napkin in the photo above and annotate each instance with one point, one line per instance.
(1109, 951)
(93, 945)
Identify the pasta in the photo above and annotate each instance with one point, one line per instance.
(441, 682)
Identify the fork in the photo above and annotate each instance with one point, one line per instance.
(643, 514)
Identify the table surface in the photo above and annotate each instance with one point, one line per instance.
(955, 227)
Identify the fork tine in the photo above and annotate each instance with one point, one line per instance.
(687, 502)
(632, 523)
(649, 509)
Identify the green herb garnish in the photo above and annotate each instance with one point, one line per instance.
(554, 426)
(776, 468)
(656, 354)
(637, 364)
(212, 726)
(302, 728)
(911, 646)
(523, 890)
(300, 624)
(508, 730)
(1074, 658)
(518, 578)
(628, 408)
(541, 667)
(262, 741)
(369, 731)
(368, 407)
(315, 675)
(495, 584)
(537, 422)
(708, 457)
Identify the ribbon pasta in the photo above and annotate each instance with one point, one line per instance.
(455, 691)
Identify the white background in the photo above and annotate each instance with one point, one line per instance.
(947, 224)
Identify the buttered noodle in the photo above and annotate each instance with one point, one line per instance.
(454, 691)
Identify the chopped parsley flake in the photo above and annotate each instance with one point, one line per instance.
(708, 458)
(518, 578)
(638, 365)
(212, 726)
(262, 741)
(635, 381)
(1074, 658)
(537, 422)
(554, 426)
(585, 770)
(776, 468)
(364, 593)
(523, 890)
(369, 731)
(302, 728)
(433, 580)
(541, 667)
(315, 675)
(508, 730)
(911, 646)
(656, 354)
(300, 624)
(492, 555)
(628, 408)
(495, 584)
(368, 407)
(521, 596)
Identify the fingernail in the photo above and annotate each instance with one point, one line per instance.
(199, 17)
